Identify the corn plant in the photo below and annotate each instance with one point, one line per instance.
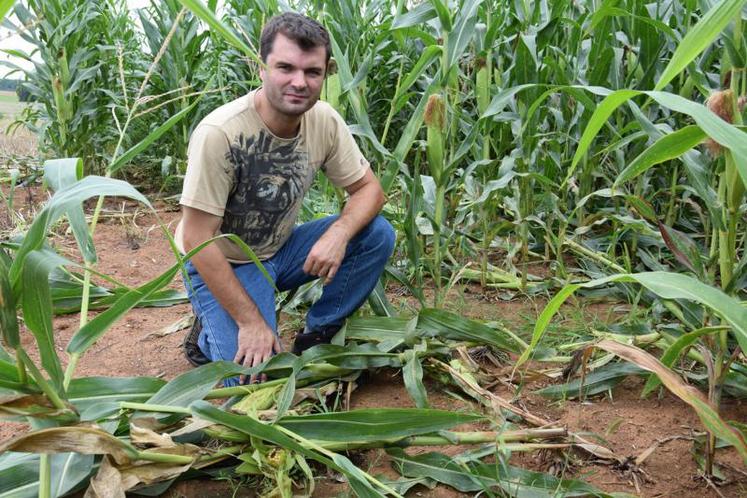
(76, 55)
(721, 353)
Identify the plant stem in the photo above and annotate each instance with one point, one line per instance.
(164, 457)
(22, 377)
(47, 389)
(146, 407)
(450, 438)
(391, 107)
(576, 247)
(45, 476)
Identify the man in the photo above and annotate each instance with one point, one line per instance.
(250, 162)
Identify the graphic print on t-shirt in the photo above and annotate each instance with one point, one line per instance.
(270, 179)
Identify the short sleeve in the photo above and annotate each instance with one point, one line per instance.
(344, 164)
(209, 176)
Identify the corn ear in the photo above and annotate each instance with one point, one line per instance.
(261, 399)
(225, 434)
(482, 87)
(435, 112)
(332, 91)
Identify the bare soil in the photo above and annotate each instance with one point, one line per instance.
(133, 249)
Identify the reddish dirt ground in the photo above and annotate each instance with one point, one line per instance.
(132, 249)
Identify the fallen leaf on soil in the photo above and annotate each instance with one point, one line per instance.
(180, 324)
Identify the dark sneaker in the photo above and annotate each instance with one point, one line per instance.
(191, 347)
(311, 339)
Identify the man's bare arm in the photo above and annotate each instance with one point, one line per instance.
(365, 201)
(256, 339)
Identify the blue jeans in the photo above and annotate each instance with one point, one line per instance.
(365, 258)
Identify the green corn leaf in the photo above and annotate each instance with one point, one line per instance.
(152, 137)
(475, 476)
(194, 384)
(37, 309)
(603, 111)
(94, 329)
(86, 392)
(438, 467)
(69, 470)
(208, 16)
(708, 28)
(601, 380)
(19, 475)
(446, 325)
(61, 173)
(412, 374)
(429, 55)
(379, 329)
(518, 482)
(374, 424)
(379, 303)
(420, 14)
(5, 6)
(8, 316)
(666, 148)
(673, 352)
(443, 14)
(407, 137)
(464, 31)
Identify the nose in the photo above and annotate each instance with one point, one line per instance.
(299, 80)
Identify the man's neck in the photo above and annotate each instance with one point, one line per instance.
(280, 125)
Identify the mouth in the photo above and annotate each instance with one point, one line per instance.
(296, 96)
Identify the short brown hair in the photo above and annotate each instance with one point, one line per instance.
(306, 32)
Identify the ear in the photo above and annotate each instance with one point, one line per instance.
(331, 67)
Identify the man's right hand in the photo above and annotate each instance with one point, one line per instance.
(257, 343)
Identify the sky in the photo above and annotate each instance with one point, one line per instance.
(8, 40)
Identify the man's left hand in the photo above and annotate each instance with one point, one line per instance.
(327, 254)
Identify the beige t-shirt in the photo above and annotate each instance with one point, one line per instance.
(238, 170)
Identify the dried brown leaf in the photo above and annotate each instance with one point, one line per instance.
(143, 436)
(32, 405)
(107, 483)
(145, 472)
(85, 440)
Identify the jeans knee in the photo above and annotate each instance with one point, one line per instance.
(383, 235)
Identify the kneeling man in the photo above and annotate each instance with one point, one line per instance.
(250, 162)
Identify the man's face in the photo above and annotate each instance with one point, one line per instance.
(293, 78)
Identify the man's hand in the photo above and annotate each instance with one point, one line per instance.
(327, 254)
(256, 345)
